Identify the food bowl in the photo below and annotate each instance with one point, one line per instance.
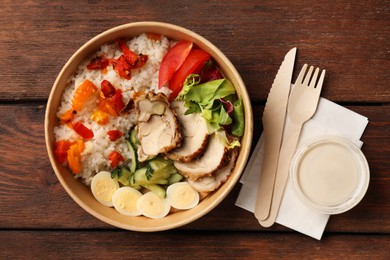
(82, 194)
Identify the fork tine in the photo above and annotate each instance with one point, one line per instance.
(320, 81)
(301, 74)
(308, 76)
(313, 80)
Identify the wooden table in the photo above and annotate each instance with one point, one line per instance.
(350, 39)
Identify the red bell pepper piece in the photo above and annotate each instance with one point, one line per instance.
(83, 92)
(114, 135)
(130, 56)
(98, 63)
(142, 59)
(122, 67)
(74, 156)
(135, 61)
(82, 130)
(107, 88)
(61, 150)
(115, 158)
(118, 102)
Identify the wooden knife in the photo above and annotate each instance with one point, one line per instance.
(273, 124)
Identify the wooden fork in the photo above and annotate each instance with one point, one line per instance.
(301, 107)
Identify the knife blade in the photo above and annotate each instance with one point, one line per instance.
(273, 124)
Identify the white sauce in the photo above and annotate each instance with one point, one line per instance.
(328, 174)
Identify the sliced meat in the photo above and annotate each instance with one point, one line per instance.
(194, 132)
(214, 158)
(158, 127)
(207, 184)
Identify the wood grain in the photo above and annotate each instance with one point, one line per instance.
(30, 189)
(190, 245)
(349, 39)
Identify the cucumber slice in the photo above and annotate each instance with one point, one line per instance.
(134, 159)
(160, 169)
(176, 177)
(136, 186)
(116, 173)
(160, 191)
(133, 138)
(125, 176)
(158, 163)
(139, 177)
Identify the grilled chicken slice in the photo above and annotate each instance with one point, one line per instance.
(194, 132)
(207, 184)
(214, 158)
(158, 127)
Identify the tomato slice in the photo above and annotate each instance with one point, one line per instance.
(172, 61)
(193, 64)
(82, 130)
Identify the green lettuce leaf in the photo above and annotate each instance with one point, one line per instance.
(191, 80)
(238, 118)
(206, 98)
(221, 137)
(203, 93)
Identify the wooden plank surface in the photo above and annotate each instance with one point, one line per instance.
(190, 245)
(30, 188)
(348, 38)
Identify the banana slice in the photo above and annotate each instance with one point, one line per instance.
(125, 201)
(103, 187)
(181, 195)
(153, 206)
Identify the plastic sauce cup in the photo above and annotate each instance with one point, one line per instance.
(330, 174)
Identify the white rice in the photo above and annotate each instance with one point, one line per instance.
(95, 154)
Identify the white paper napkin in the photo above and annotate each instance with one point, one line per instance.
(329, 119)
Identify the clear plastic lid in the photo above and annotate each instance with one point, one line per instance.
(330, 174)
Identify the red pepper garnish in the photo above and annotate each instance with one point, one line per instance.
(124, 64)
(130, 56)
(82, 130)
(107, 88)
(142, 59)
(122, 67)
(61, 150)
(118, 102)
(114, 135)
(98, 63)
(115, 158)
